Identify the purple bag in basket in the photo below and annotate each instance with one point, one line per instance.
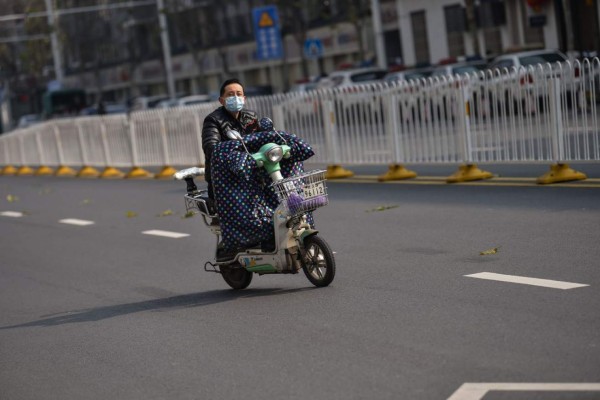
(294, 202)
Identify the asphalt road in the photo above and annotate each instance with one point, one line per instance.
(104, 311)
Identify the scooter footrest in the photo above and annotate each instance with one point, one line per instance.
(203, 203)
(206, 206)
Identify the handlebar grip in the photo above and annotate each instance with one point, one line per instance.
(188, 173)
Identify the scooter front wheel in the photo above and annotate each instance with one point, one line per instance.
(318, 262)
(236, 276)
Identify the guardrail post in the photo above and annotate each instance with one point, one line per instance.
(43, 168)
(136, 171)
(24, 169)
(8, 169)
(63, 170)
(467, 171)
(198, 136)
(279, 116)
(109, 170)
(167, 171)
(558, 129)
(396, 171)
(335, 170)
(559, 171)
(86, 171)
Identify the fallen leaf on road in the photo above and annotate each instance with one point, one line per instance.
(382, 208)
(189, 214)
(131, 214)
(12, 198)
(165, 213)
(488, 252)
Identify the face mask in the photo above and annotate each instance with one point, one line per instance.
(234, 103)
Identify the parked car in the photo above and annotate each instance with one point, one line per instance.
(440, 93)
(459, 68)
(28, 120)
(355, 98)
(109, 108)
(352, 77)
(194, 99)
(407, 75)
(184, 101)
(303, 87)
(146, 102)
(527, 58)
(258, 90)
(521, 81)
(166, 103)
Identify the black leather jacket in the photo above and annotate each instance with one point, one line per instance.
(215, 127)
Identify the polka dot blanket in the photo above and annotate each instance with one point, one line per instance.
(244, 195)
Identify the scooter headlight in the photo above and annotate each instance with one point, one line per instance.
(275, 154)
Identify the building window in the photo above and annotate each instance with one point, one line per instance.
(393, 47)
(534, 36)
(493, 42)
(455, 26)
(419, 31)
(490, 15)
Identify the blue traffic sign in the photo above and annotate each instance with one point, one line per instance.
(267, 33)
(313, 48)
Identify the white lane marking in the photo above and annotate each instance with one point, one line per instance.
(74, 221)
(14, 214)
(476, 391)
(174, 235)
(527, 281)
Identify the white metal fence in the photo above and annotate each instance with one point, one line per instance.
(543, 113)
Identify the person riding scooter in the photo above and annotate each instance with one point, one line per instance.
(230, 116)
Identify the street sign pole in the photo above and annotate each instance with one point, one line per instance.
(58, 71)
(378, 31)
(164, 36)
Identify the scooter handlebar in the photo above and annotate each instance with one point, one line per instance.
(188, 173)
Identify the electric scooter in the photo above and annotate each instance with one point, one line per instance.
(297, 245)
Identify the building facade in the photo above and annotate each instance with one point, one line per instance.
(415, 32)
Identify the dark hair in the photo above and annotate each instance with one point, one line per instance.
(229, 82)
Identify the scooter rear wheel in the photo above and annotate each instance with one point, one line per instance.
(236, 276)
(318, 262)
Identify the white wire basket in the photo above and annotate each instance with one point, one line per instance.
(302, 193)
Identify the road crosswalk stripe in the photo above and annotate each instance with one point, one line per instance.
(14, 214)
(174, 235)
(477, 391)
(74, 221)
(526, 280)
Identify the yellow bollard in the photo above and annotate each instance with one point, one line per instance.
(468, 172)
(110, 172)
(65, 171)
(88, 172)
(560, 173)
(9, 170)
(166, 173)
(24, 171)
(138, 173)
(397, 172)
(44, 171)
(337, 172)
